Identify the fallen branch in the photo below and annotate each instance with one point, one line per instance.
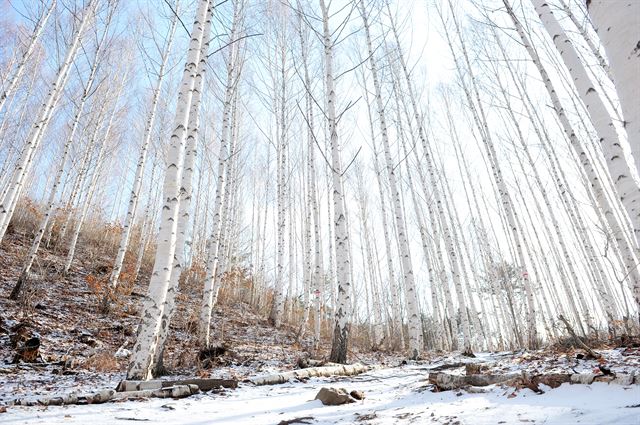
(302, 420)
(446, 366)
(580, 342)
(325, 371)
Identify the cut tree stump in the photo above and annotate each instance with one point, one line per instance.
(325, 371)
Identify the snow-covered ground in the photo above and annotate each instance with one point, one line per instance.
(399, 395)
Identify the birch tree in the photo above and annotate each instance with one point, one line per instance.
(617, 23)
(88, 88)
(15, 78)
(342, 324)
(23, 167)
(403, 241)
(142, 362)
(140, 166)
(210, 291)
(627, 189)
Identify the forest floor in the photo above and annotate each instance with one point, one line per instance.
(82, 351)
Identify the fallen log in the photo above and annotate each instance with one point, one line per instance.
(177, 391)
(446, 381)
(203, 384)
(72, 398)
(312, 372)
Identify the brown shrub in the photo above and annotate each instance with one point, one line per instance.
(102, 361)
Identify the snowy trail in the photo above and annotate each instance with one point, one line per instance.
(393, 396)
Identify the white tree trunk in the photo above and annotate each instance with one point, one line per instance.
(342, 308)
(213, 256)
(144, 351)
(9, 201)
(186, 188)
(11, 85)
(140, 167)
(627, 189)
(411, 297)
(618, 25)
(33, 251)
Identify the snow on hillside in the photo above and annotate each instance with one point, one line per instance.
(398, 395)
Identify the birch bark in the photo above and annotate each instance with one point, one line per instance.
(627, 189)
(14, 79)
(617, 23)
(411, 297)
(142, 361)
(140, 167)
(9, 201)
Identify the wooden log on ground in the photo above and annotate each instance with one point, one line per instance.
(325, 371)
(176, 391)
(59, 400)
(446, 381)
(203, 384)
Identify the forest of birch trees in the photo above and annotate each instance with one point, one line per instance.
(449, 175)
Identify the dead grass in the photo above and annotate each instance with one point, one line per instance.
(102, 361)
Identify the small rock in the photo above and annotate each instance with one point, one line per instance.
(582, 378)
(358, 395)
(623, 380)
(122, 353)
(334, 396)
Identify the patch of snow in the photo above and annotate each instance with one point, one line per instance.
(398, 395)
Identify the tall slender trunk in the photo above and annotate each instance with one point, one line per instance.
(14, 79)
(185, 193)
(23, 167)
(214, 253)
(142, 362)
(617, 24)
(627, 189)
(140, 167)
(342, 308)
(411, 297)
(33, 251)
